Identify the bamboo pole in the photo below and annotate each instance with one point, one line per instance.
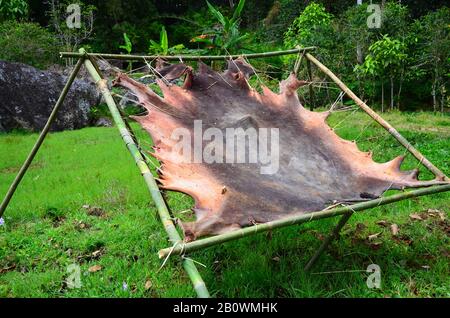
(298, 62)
(131, 57)
(182, 248)
(344, 219)
(163, 211)
(311, 89)
(42, 135)
(416, 153)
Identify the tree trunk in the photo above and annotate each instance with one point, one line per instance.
(382, 96)
(433, 93)
(392, 93)
(443, 97)
(400, 88)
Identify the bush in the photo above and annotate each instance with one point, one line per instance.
(28, 43)
(13, 9)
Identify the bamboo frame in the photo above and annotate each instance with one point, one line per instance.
(311, 90)
(180, 248)
(131, 57)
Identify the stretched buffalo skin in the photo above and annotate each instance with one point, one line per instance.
(316, 167)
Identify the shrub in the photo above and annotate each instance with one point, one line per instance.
(13, 9)
(28, 43)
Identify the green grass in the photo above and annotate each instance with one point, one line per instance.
(47, 228)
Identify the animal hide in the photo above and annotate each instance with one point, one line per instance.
(315, 167)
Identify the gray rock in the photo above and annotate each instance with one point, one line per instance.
(129, 99)
(28, 95)
(103, 122)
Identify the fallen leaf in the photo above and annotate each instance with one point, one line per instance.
(94, 268)
(425, 267)
(7, 268)
(383, 223)
(276, 259)
(373, 236)
(360, 227)
(96, 253)
(416, 216)
(148, 285)
(394, 229)
(82, 225)
(442, 216)
(376, 245)
(403, 239)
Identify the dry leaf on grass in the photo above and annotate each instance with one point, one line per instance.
(96, 253)
(375, 245)
(148, 285)
(415, 216)
(394, 229)
(383, 223)
(94, 268)
(373, 236)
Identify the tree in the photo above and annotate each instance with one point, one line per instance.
(71, 33)
(431, 44)
(386, 59)
(310, 27)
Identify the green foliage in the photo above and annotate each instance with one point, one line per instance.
(162, 48)
(386, 57)
(313, 27)
(309, 27)
(128, 46)
(430, 43)
(395, 20)
(280, 17)
(28, 43)
(13, 9)
(225, 37)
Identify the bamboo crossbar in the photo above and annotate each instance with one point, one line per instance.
(182, 248)
(131, 57)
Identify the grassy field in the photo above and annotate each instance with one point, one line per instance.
(83, 202)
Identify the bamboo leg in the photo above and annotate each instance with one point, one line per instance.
(416, 153)
(311, 90)
(163, 211)
(298, 62)
(334, 235)
(41, 137)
